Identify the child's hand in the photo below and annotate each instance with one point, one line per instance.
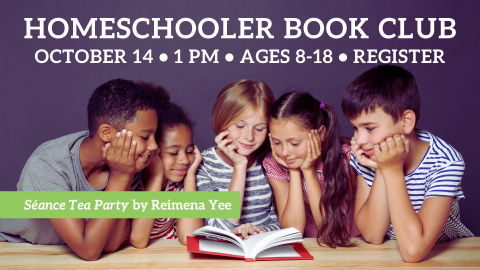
(229, 149)
(119, 155)
(360, 155)
(156, 168)
(391, 153)
(274, 154)
(198, 159)
(245, 230)
(314, 150)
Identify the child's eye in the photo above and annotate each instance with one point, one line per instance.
(276, 143)
(189, 152)
(370, 128)
(260, 129)
(238, 126)
(294, 144)
(145, 138)
(174, 154)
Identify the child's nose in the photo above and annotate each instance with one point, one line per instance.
(361, 139)
(152, 145)
(286, 152)
(249, 135)
(182, 159)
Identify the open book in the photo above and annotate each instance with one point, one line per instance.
(275, 245)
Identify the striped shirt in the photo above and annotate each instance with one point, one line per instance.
(166, 228)
(278, 172)
(214, 174)
(438, 174)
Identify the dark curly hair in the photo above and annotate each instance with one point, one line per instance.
(170, 115)
(116, 103)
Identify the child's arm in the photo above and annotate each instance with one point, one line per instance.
(314, 190)
(186, 226)
(88, 239)
(371, 209)
(239, 175)
(142, 227)
(289, 198)
(416, 233)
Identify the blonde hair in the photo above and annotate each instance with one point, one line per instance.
(238, 97)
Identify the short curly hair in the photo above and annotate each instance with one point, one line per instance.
(116, 103)
(170, 115)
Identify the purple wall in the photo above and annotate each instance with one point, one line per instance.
(39, 102)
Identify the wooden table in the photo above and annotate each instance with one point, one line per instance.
(169, 254)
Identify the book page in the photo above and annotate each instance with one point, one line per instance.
(279, 251)
(220, 247)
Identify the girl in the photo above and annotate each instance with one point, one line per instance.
(176, 161)
(239, 118)
(308, 169)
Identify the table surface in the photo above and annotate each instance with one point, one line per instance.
(169, 254)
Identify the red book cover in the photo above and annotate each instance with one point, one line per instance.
(193, 245)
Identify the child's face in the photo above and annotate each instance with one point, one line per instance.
(143, 127)
(373, 128)
(176, 152)
(289, 142)
(248, 131)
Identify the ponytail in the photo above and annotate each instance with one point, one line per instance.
(339, 192)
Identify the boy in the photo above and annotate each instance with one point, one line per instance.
(120, 142)
(409, 179)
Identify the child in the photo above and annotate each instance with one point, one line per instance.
(239, 118)
(314, 172)
(121, 139)
(409, 179)
(177, 160)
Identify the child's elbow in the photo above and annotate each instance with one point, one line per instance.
(374, 239)
(183, 240)
(90, 256)
(138, 242)
(412, 254)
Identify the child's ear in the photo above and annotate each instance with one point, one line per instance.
(321, 131)
(409, 120)
(106, 132)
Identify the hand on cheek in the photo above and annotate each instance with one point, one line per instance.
(360, 155)
(156, 168)
(198, 159)
(314, 150)
(229, 148)
(119, 154)
(391, 153)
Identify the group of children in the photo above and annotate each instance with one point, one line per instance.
(285, 157)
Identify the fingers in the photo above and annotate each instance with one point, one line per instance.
(221, 136)
(244, 231)
(407, 144)
(316, 144)
(113, 145)
(105, 149)
(120, 144)
(309, 147)
(129, 147)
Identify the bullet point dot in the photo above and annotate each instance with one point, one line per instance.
(229, 57)
(163, 57)
(342, 57)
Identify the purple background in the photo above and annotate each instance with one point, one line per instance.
(39, 102)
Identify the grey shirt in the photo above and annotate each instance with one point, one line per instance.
(54, 166)
(215, 175)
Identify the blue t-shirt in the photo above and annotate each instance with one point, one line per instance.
(439, 174)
